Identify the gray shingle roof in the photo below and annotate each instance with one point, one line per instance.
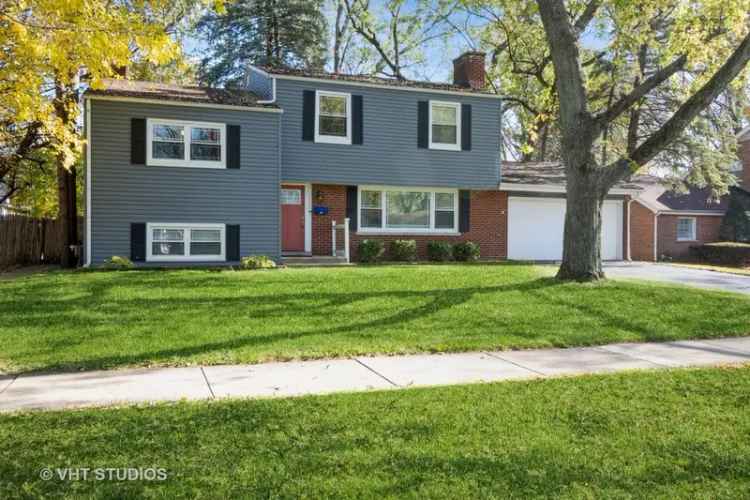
(550, 174)
(183, 93)
(375, 80)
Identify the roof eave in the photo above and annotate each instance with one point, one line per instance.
(172, 102)
(282, 76)
(555, 188)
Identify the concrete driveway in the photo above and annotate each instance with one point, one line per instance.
(676, 274)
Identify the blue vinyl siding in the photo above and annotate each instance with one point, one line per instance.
(389, 155)
(123, 193)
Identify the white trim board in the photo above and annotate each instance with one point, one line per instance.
(166, 102)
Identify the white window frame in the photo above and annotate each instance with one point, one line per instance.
(694, 226)
(384, 229)
(333, 139)
(186, 227)
(186, 161)
(442, 145)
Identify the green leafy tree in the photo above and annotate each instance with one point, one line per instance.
(622, 85)
(277, 33)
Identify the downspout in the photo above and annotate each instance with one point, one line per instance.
(272, 100)
(629, 256)
(87, 126)
(656, 236)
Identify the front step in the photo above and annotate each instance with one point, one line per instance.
(318, 260)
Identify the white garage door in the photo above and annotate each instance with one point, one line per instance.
(535, 229)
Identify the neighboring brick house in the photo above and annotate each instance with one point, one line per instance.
(667, 224)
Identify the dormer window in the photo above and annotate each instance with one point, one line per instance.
(445, 125)
(333, 119)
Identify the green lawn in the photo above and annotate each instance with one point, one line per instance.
(84, 320)
(666, 434)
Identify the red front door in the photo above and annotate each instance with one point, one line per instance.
(292, 218)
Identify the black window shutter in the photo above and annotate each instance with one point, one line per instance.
(138, 242)
(466, 127)
(233, 146)
(464, 211)
(233, 243)
(308, 115)
(357, 120)
(138, 141)
(423, 123)
(351, 207)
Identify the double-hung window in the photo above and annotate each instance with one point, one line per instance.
(174, 143)
(686, 229)
(181, 242)
(445, 125)
(408, 210)
(333, 117)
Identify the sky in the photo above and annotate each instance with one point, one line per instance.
(438, 65)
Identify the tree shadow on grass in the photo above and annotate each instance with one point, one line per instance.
(328, 303)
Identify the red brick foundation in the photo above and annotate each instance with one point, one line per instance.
(488, 228)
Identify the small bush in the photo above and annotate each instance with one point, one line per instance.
(466, 251)
(117, 263)
(724, 253)
(370, 250)
(404, 250)
(257, 262)
(439, 251)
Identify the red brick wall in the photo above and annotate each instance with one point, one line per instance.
(744, 152)
(706, 231)
(641, 232)
(489, 227)
(468, 70)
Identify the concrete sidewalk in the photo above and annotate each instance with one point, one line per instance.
(98, 388)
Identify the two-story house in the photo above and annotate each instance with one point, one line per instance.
(189, 174)
(178, 174)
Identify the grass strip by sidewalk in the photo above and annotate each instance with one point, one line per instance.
(666, 434)
(91, 320)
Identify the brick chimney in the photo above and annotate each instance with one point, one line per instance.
(744, 153)
(468, 70)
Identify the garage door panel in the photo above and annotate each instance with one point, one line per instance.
(536, 227)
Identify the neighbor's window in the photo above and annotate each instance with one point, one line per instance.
(401, 210)
(686, 229)
(445, 125)
(185, 242)
(186, 144)
(333, 117)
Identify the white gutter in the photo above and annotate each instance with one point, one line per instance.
(265, 74)
(189, 104)
(546, 188)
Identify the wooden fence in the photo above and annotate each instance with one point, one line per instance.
(27, 241)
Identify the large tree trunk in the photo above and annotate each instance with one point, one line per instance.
(582, 246)
(68, 213)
